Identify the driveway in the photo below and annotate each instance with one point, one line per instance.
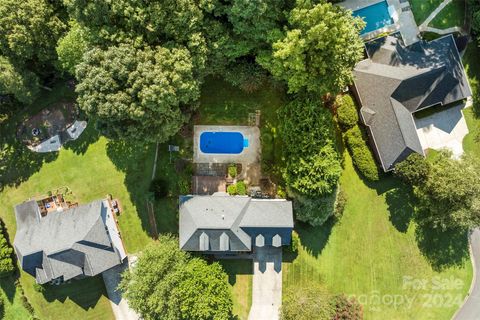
(119, 305)
(444, 129)
(471, 308)
(267, 284)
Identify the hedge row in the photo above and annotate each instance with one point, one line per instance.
(7, 266)
(361, 154)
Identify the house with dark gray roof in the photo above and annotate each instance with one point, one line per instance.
(68, 244)
(395, 82)
(221, 223)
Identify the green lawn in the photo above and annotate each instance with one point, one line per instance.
(13, 308)
(453, 15)
(422, 8)
(240, 278)
(91, 167)
(374, 246)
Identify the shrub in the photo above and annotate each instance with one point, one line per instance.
(232, 170)
(361, 154)
(346, 308)
(6, 262)
(183, 186)
(159, 187)
(232, 189)
(340, 203)
(347, 113)
(295, 242)
(314, 211)
(241, 188)
(281, 193)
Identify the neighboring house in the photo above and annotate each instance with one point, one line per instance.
(71, 244)
(395, 82)
(233, 224)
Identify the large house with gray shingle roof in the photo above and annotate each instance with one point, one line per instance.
(233, 224)
(395, 82)
(79, 242)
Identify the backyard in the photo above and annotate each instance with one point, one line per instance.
(91, 167)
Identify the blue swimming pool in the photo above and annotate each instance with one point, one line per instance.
(376, 16)
(222, 142)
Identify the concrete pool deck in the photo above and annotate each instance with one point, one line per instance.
(249, 155)
(403, 23)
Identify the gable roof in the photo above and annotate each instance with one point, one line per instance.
(70, 243)
(228, 223)
(397, 81)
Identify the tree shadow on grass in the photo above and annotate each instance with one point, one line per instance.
(85, 292)
(17, 162)
(8, 286)
(314, 239)
(133, 159)
(236, 267)
(400, 207)
(443, 249)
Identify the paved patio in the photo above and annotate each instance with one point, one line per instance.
(443, 130)
(249, 155)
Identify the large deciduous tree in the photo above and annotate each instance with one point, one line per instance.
(167, 283)
(144, 94)
(17, 81)
(29, 30)
(319, 50)
(71, 47)
(447, 190)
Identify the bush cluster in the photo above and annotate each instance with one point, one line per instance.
(347, 114)
(232, 170)
(6, 262)
(159, 187)
(361, 153)
(239, 188)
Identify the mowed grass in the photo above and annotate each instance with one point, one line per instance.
(91, 167)
(372, 252)
(240, 278)
(453, 15)
(423, 8)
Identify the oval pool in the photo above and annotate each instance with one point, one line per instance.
(222, 142)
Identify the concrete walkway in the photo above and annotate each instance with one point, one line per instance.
(444, 31)
(267, 284)
(471, 308)
(120, 307)
(432, 15)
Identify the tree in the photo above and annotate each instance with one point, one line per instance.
(204, 292)
(71, 47)
(450, 196)
(306, 303)
(256, 22)
(413, 170)
(319, 49)
(30, 30)
(17, 81)
(167, 283)
(312, 163)
(143, 94)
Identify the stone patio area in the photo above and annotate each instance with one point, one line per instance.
(249, 155)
